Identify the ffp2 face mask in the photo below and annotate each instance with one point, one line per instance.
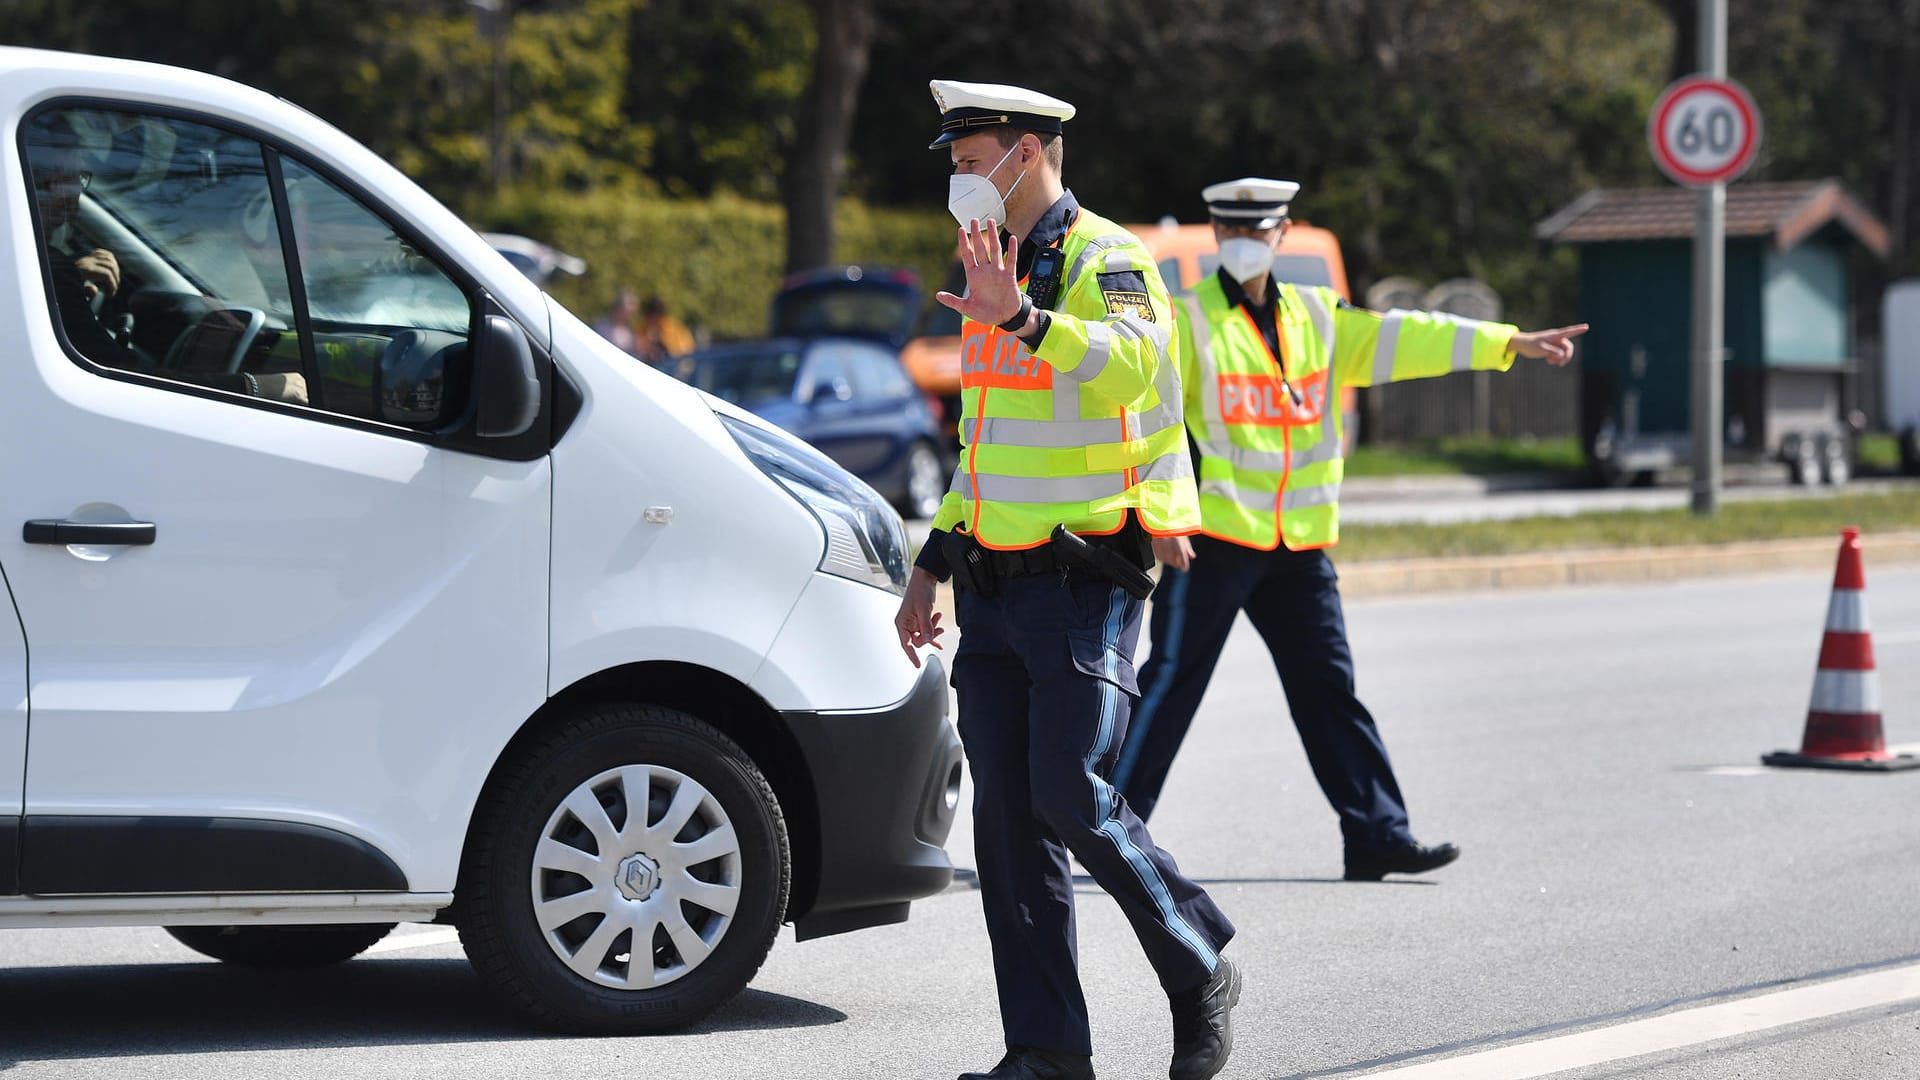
(973, 196)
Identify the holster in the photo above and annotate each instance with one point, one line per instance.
(971, 568)
(1102, 561)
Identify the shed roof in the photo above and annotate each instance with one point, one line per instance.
(1787, 212)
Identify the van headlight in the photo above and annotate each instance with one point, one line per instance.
(866, 541)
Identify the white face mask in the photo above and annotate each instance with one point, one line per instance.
(1245, 258)
(973, 196)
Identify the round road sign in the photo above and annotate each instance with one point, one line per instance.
(1703, 130)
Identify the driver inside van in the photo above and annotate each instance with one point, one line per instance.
(86, 278)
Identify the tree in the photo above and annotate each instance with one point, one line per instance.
(818, 163)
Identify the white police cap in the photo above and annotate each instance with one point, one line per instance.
(969, 108)
(1251, 201)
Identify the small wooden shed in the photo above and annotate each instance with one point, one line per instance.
(1790, 356)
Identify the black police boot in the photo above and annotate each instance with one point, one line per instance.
(1410, 859)
(1030, 1063)
(1203, 1024)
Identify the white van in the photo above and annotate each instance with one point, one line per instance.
(356, 582)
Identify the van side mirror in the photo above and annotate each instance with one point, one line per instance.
(505, 385)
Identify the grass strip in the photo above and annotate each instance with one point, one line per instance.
(1735, 522)
(1468, 455)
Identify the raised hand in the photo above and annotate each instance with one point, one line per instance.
(993, 291)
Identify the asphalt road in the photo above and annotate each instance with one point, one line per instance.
(1593, 750)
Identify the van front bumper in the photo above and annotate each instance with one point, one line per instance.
(887, 785)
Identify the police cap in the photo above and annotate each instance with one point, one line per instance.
(1250, 202)
(969, 108)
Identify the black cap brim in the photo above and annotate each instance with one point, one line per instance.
(957, 124)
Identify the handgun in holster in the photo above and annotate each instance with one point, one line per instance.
(968, 563)
(1102, 561)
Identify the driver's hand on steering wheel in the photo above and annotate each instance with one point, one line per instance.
(101, 272)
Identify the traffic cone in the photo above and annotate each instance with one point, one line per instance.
(1843, 720)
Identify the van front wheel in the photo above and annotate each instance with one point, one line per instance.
(626, 874)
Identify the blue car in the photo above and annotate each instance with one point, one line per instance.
(847, 396)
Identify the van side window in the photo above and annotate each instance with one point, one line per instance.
(169, 249)
(164, 251)
(389, 325)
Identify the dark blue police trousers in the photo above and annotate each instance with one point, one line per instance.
(1293, 600)
(1044, 671)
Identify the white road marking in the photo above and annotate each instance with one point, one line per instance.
(1688, 1027)
(439, 935)
(1735, 770)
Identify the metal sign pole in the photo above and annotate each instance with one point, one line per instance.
(1709, 291)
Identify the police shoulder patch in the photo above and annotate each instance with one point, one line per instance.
(1126, 294)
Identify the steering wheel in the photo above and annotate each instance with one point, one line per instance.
(238, 326)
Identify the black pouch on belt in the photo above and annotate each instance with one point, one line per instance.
(968, 562)
(1102, 561)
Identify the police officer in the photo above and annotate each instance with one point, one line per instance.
(1262, 363)
(1074, 457)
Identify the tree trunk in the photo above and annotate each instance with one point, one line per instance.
(819, 158)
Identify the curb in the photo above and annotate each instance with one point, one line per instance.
(1391, 577)
(1613, 566)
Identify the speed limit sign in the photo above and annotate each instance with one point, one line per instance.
(1704, 130)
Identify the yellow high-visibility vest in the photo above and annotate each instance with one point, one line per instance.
(1268, 427)
(1086, 426)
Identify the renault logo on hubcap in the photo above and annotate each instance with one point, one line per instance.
(638, 877)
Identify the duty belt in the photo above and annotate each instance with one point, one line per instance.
(1123, 557)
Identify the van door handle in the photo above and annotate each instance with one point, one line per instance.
(103, 533)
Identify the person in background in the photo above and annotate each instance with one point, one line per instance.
(661, 337)
(618, 324)
(1262, 363)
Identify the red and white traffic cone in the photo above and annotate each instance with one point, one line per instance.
(1843, 720)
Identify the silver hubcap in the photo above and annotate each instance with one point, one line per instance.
(636, 877)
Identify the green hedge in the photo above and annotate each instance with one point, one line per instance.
(717, 261)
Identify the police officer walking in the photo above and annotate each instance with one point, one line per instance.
(1262, 363)
(1074, 457)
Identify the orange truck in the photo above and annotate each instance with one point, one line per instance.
(1186, 253)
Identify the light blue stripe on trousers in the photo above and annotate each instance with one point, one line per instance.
(1162, 683)
(1103, 793)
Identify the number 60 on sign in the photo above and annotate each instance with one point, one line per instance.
(1704, 131)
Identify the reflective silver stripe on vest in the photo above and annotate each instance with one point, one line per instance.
(1094, 246)
(1256, 460)
(1066, 401)
(1463, 332)
(1260, 502)
(1212, 425)
(1049, 489)
(1050, 434)
(1314, 300)
(1327, 449)
(1318, 495)
(959, 481)
(1176, 465)
(1099, 348)
(1385, 347)
(1118, 261)
(1063, 434)
(1160, 336)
